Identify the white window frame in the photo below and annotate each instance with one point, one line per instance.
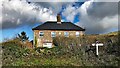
(66, 34)
(41, 32)
(59, 33)
(77, 34)
(53, 34)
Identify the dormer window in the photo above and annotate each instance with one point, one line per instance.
(53, 34)
(41, 34)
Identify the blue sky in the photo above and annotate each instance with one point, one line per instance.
(95, 17)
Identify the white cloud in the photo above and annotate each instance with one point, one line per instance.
(54, 6)
(103, 18)
(55, 0)
(84, 7)
(19, 12)
(94, 19)
(16, 13)
(69, 13)
(110, 22)
(45, 16)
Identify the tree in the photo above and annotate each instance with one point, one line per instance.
(23, 37)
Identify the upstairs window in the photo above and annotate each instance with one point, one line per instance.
(66, 34)
(59, 33)
(77, 34)
(41, 34)
(53, 34)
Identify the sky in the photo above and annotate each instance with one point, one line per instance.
(96, 16)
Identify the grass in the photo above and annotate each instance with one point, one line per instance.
(14, 54)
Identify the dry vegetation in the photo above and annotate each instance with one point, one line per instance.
(68, 52)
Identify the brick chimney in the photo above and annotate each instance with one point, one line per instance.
(58, 19)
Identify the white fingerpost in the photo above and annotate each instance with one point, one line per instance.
(97, 44)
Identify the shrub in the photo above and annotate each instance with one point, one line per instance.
(67, 52)
(14, 50)
(65, 41)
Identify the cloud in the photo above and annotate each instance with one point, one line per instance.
(56, 6)
(69, 13)
(99, 17)
(102, 9)
(96, 17)
(55, 0)
(105, 25)
(106, 0)
(17, 13)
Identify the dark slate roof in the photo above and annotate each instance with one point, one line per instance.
(52, 25)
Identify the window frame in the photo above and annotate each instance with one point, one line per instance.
(66, 34)
(76, 34)
(53, 34)
(41, 34)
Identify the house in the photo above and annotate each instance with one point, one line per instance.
(44, 33)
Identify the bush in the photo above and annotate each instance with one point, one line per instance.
(66, 53)
(12, 51)
(64, 41)
(108, 54)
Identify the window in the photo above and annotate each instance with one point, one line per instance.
(59, 33)
(66, 34)
(77, 34)
(41, 34)
(53, 34)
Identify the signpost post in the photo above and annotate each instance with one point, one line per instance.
(97, 45)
